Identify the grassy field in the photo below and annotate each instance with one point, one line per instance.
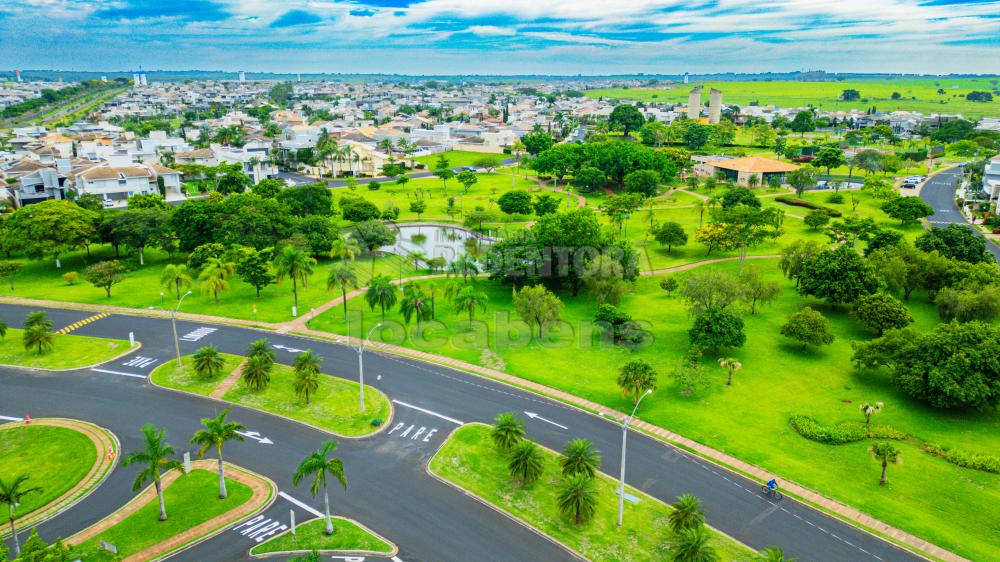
(68, 351)
(334, 407)
(191, 500)
(69, 455)
(346, 537)
(469, 460)
(777, 381)
(917, 94)
(456, 158)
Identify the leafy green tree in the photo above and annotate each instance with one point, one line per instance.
(254, 268)
(885, 453)
(580, 457)
(537, 306)
(577, 498)
(809, 327)
(507, 431)
(105, 274)
(319, 465)
(907, 209)
(257, 372)
(12, 493)
(881, 312)
(175, 276)
(382, 293)
(693, 545)
(711, 290)
(756, 289)
(686, 514)
(358, 209)
(306, 200)
(526, 462)
(154, 457)
(516, 202)
(470, 299)
(803, 122)
(965, 304)
(838, 276)
(372, 235)
(207, 362)
(9, 270)
(644, 182)
(268, 188)
(696, 136)
(717, 329)
(589, 179)
(536, 143)
(232, 182)
(955, 241)
(670, 234)
(669, 284)
(635, 378)
(342, 275)
(467, 179)
(829, 156)
(37, 337)
(295, 265)
(140, 228)
(626, 118)
(740, 196)
(307, 376)
(604, 280)
(545, 204)
(817, 219)
(215, 433)
(801, 179)
(50, 228)
(418, 206)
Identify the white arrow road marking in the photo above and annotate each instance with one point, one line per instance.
(535, 416)
(288, 349)
(435, 414)
(300, 504)
(133, 375)
(256, 437)
(8, 418)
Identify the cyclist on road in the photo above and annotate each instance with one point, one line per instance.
(772, 484)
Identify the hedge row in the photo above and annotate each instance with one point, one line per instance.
(845, 432)
(986, 463)
(796, 202)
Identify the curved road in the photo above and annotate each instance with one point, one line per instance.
(939, 193)
(389, 490)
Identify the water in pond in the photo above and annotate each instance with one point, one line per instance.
(843, 184)
(434, 241)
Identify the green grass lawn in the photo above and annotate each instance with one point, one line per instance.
(456, 158)
(191, 500)
(825, 95)
(777, 381)
(69, 455)
(309, 536)
(68, 351)
(186, 379)
(469, 460)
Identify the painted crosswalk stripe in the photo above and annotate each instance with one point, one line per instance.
(118, 373)
(435, 414)
(300, 504)
(140, 361)
(83, 322)
(197, 334)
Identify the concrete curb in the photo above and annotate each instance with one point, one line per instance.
(391, 554)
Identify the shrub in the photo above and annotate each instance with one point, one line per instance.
(986, 463)
(797, 202)
(835, 198)
(842, 433)
(71, 277)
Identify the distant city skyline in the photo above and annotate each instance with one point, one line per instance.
(587, 37)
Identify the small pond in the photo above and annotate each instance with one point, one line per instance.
(433, 241)
(838, 184)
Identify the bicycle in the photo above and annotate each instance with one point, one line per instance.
(768, 491)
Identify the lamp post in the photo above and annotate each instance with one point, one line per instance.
(361, 364)
(173, 324)
(621, 483)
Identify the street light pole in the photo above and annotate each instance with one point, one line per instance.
(361, 365)
(621, 483)
(173, 324)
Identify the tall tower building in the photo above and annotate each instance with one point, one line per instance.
(687, 78)
(714, 106)
(18, 75)
(243, 76)
(694, 103)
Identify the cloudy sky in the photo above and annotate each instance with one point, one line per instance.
(503, 36)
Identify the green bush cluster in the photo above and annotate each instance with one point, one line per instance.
(796, 202)
(842, 433)
(986, 463)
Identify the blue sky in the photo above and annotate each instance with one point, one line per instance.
(504, 36)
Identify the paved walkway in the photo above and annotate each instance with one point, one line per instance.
(107, 449)
(228, 382)
(263, 494)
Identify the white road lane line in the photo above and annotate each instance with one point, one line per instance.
(133, 375)
(300, 504)
(8, 418)
(435, 414)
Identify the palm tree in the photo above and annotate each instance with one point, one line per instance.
(415, 302)
(208, 362)
(257, 372)
(869, 408)
(417, 258)
(319, 466)
(692, 546)
(508, 430)
(577, 498)
(635, 378)
(260, 347)
(217, 432)
(297, 265)
(732, 365)
(342, 275)
(345, 248)
(214, 275)
(470, 298)
(38, 338)
(580, 457)
(381, 292)
(11, 494)
(307, 365)
(465, 266)
(175, 277)
(156, 457)
(686, 514)
(526, 462)
(886, 454)
(37, 318)
(772, 554)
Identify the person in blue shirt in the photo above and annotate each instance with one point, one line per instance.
(772, 484)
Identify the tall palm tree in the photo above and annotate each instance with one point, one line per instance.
(470, 299)
(214, 277)
(156, 457)
(11, 494)
(731, 365)
(686, 514)
(772, 554)
(38, 338)
(417, 258)
(37, 318)
(382, 293)
(307, 365)
(342, 275)
(580, 457)
(577, 498)
(465, 265)
(216, 433)
(526, 462)
(318, 465)
(175, 277)
(507, 431)
(257, 372)
(886, 454)
(208, 362)
(635, 378)
(693, 546)
(295, 264)
(345, 248)
(260, 347)
(415, 302)
(869, 408)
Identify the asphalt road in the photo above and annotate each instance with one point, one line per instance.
(389, 490)
(939, 193)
